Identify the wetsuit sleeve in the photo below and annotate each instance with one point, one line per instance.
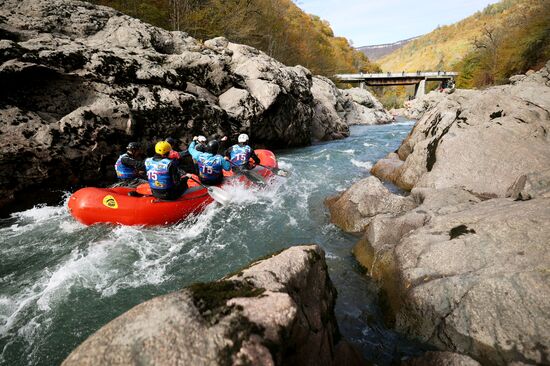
(194, 153)
(181, 171)
(134, 163)
(184, 153)
(224, 145)
(226, 165)
(174, 173)
(228, 152)
(254, 156)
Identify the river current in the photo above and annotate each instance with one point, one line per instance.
(60, 281)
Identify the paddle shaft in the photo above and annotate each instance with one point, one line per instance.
(252, 176)
(275, 170)
(200, 183)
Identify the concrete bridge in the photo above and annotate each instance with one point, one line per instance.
(418, 79)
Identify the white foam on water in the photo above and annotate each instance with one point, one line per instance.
(349, 151)
(40, 213)
(14, 306)
(362, 164)
(292, 221)
(128, 257)
(86, 267)
(367, 144)
(255, 194)
(286, 165)
(35, 217)
(155, 249)
(405, 123)
(70, 226)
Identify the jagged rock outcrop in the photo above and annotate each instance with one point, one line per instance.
(415, 109)
(336, 109)
(330, 108)
(466, 269)
(278, 311)
(366, 110)
(80, 81)
(479, 140)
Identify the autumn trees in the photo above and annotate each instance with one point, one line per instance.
(519, 43)
(277, 27)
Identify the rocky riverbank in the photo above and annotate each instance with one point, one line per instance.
(464, 258)
(80, 81)
(277, 311)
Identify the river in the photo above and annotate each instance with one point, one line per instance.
(60, 281)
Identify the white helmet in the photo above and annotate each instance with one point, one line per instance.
(201, 138)
(243, 137)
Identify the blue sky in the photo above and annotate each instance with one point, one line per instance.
(368, 22)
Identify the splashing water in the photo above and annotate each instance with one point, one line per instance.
(60, 281)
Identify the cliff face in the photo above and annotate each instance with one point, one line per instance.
(80, 81)
(278, 311)
(464, 258)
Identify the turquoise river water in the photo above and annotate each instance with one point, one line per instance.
(60, 281)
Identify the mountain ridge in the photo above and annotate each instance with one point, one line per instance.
(377, 51)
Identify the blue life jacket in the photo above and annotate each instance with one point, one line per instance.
(210, 167)
(158, 173)
(240, 155)
(124, 171)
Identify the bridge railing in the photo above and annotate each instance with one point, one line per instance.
(384, 75)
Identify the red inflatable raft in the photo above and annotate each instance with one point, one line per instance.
(113, 205)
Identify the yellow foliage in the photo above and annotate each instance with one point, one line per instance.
(448, 45)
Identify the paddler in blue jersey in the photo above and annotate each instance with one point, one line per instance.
(165, 179)
(210, 163)
(129, 167)
(240, 154)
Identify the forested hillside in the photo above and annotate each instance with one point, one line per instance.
(277, 27)
(506, 38)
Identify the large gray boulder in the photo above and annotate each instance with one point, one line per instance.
(337, 109)
(474, 281)
(80, 81)
(330, 107)
(278, 311)
(479, 140)
(353, 209)
(416, 108)
(366, 109)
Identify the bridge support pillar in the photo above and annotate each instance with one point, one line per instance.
(420, 89)
(362, 85)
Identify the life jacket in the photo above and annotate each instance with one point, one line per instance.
(210, 167)
(240, 155)
(124, 171)
(158, 173)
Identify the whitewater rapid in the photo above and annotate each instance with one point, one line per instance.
(60, 281)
